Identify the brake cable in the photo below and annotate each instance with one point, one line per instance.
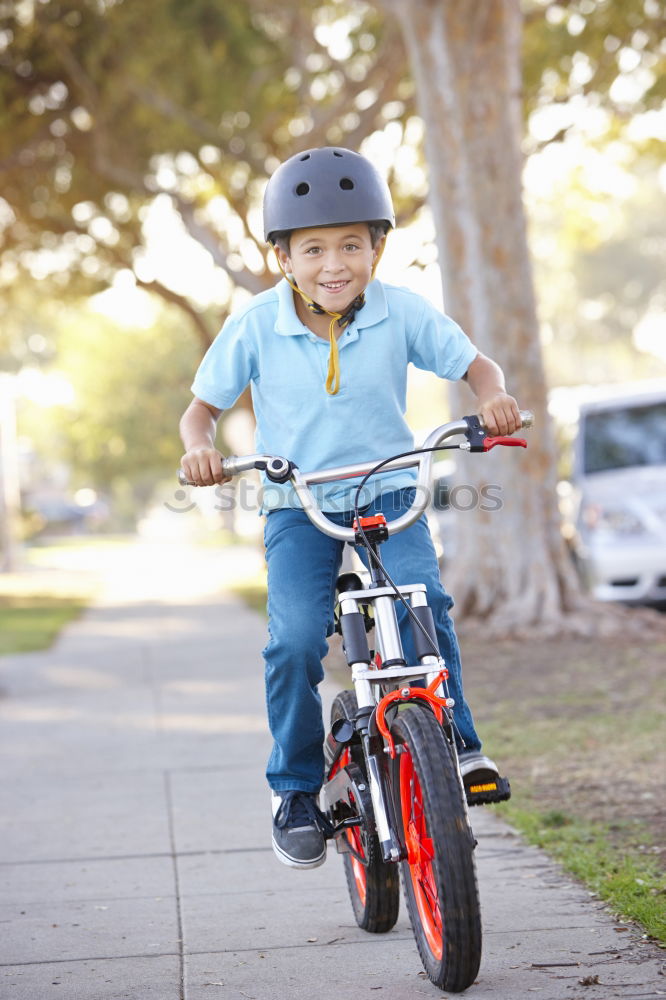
(373, 555)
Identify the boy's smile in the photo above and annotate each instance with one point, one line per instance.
(332, 265)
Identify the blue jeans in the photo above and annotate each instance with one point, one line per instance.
(303, 566)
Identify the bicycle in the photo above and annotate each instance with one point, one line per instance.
(393, 793)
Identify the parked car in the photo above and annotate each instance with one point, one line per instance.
(617, 498)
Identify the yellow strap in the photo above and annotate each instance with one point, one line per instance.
(333, 377)
(333, 374)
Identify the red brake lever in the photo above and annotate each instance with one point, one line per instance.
(508, 442)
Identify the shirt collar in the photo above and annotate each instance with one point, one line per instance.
(288, 323)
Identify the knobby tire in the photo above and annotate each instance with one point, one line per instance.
(439, 875)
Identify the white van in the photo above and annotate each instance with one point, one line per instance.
(618, 492)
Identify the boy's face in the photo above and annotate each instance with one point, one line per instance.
(332, 265)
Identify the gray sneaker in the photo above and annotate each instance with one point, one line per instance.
(298, 829)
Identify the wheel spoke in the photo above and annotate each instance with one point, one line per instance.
(420, 854)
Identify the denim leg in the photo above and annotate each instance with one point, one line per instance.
(302, 569)
(410, 557)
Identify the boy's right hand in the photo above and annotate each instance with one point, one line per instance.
(203, 466)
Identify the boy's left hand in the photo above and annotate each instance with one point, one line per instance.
(500, 414)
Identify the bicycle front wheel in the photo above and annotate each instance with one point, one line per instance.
(439, 874)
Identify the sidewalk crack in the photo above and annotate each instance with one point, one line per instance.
(176, 879)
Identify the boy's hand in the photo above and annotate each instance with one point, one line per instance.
(498, 411)
(500, 414)
(203, 466)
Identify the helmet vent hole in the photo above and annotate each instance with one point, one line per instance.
(347, 184)
(302, 188)
(335, 153)
(306, 157)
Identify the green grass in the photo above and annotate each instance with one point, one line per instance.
(32, 622)
(628, 881)
(522, 736)
(254, 594)
(612, 860)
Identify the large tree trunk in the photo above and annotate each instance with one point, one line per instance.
(512, 567)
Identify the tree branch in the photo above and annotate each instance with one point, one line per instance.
(538, 147)
(383, 77)
(76, 72)
(204, 333)
(203, 235)
(241, 207)
(15, 159)
(407, 216)
(538, 13)
(168, 108)
(122, 176)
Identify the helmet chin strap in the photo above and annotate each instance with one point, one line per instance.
(342, 319)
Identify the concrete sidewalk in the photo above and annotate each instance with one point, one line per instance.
(135, 840)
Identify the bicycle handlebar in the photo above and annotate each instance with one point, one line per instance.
(277, 467)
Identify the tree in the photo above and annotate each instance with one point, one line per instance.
(602, 236)
(98, 127)
(593, 83)
(466, 64)
(107, 414)
(130, 386)
(98, 130)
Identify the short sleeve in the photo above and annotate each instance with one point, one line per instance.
(437, 344)
(227, 367)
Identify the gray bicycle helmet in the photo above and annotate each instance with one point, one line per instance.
(325, 187)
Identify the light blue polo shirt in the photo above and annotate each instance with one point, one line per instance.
(265, 344)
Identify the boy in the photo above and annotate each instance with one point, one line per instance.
(326, 354)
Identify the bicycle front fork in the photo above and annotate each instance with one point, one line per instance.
(380, 684)
(381, 819)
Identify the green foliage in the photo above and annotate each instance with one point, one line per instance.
(131, 386)
(118, 433)
(610, 54)
(26, 331)
(33, 622)
(253, 593)
(106, 105)
(598, 248)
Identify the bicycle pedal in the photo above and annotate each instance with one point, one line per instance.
(487, 790)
